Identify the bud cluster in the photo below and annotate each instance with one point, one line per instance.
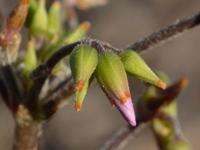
(110, 70)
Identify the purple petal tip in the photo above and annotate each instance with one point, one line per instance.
(127, 111)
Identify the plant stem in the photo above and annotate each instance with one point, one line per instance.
(166, 33)
(27, 136)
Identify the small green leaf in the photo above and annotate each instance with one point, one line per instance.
(77, 34)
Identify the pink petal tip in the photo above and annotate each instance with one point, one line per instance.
(127, 111)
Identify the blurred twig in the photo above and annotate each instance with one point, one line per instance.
(58, 99)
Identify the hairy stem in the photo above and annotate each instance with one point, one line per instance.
(166, 33)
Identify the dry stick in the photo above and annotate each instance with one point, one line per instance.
(152, 107)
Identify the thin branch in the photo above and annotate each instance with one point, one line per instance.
(58, 89)
(45, 69)
(120, 138)
(145, 113)
(59, 100)
(166, 33)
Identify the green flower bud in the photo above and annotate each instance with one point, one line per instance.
(54, 19)
(112, 76)
(30, 58)
(78, 33)
(31, 11)
(83, 62)
(136, 66)
(39, 23)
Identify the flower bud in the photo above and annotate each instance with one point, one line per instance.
(86, 4)
(10, 37)
(136, 66)
(31, 11)
(78, 33)
(17, 18)
(83, 62)
(39, 22)
(54, 19)
(30, 58)
(111, 75)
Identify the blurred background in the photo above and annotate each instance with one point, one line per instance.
(121, 22)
